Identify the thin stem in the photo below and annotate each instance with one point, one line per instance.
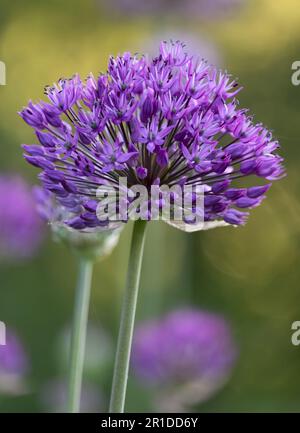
(119, 385)
(80, 319)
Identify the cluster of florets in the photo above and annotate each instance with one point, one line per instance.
(170, 120)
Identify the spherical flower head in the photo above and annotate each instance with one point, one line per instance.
(171, 122)
(203, 9)
(13, 365)
(188, 355)
(20, 226)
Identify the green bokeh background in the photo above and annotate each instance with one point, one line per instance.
(250, 274)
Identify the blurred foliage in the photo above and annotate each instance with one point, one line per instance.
(251, 274)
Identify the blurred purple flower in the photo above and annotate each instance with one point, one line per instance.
(13, 365)
(205, 9)
(20, 226)
(187, 355)
(54, 397)
(169, 121)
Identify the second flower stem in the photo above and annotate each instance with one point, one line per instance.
(79, 329)
(122, 360)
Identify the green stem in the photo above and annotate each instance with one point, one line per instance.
(119, 385)
(80, 319)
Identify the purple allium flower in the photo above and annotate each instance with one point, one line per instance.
(205, 9)
(188, 355)
(20, 226)
(54, 397)
(171, 120)
(13, 365)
